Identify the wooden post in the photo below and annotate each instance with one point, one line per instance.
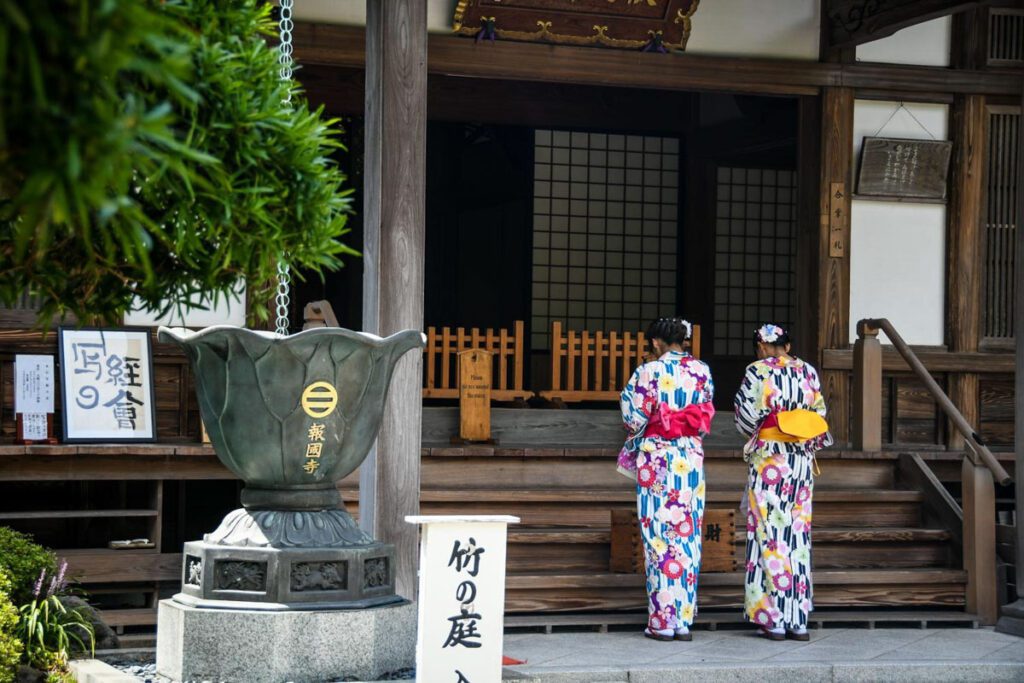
(964, 260)
(979, 498)
(867, 389)
(393, 253)
(1012, 620)
(833, 281)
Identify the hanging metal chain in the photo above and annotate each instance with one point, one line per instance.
(284, 58)
(284, 299)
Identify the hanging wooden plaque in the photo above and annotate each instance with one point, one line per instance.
(904, 169)
(718, 548)
(655, 25)
(475, 369)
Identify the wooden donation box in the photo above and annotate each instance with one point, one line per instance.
(475, 370)
(461, 597)
(718, 551)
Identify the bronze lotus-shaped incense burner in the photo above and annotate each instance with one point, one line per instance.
(291, 417)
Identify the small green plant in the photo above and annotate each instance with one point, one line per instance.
(10, 646)
(23, 560)
(50, 631)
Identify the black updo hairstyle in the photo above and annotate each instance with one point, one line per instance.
(670, 330)
(773, 334)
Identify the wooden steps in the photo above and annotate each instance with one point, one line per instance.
(711, 619)
(563, 591)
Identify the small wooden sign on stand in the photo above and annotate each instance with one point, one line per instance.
(33, 399)
(475, 369)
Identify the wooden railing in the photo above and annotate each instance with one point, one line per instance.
(978, 469)
(440, 374)
(595, 365)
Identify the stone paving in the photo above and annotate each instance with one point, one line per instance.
(833, 655)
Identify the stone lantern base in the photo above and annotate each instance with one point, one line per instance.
(302, 646)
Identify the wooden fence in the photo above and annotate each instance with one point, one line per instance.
(441, 363)
(594, 366)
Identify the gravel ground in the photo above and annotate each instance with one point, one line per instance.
(143, 668)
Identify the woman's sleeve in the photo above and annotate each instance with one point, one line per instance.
(709, 388)
(748, 403)
(817, 399)
(636, 400)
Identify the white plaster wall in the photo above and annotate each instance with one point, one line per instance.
(353, 12)
(752, 28)
(755, 28)
(898, 249)
(925, 44)
(226, 312)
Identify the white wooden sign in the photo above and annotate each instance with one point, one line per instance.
(33, 394)
(461, 597)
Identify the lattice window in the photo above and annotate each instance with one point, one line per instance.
(1004, 125)
(1005, 37)
(605, 230)
(754, 254)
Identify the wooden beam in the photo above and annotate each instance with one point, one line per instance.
(855, 22)
(833, 282)
(935, 361)
(964, 253)
(394, 226)
(344, 46)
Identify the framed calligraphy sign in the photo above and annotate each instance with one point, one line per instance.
(107, 385)
(650, 25)
(904, 169)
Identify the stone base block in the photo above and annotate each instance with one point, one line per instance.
(255, 646)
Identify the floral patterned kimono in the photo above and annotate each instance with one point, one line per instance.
(670, 485)
(779, 487)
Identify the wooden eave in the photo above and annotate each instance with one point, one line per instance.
(345, 46)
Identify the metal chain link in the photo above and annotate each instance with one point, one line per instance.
(284, 58)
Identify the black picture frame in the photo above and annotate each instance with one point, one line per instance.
(66, 384)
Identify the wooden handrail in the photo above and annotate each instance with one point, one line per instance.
(867, 330)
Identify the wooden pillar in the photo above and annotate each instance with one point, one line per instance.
(808, 200)
(393, 222)
(1012, 620)
(979, 506)
(833, 282)
(867, 390)
(964, 252)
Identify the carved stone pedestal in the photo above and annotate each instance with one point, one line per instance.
(281, 560)
(236, 645)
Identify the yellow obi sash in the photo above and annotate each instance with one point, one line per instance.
(793, 426)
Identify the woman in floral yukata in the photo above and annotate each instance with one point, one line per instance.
(780, 408)
(666, 408)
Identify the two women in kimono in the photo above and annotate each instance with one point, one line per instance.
(667, 410)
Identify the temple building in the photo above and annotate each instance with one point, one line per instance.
(541, 180)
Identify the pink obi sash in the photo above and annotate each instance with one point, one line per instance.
(667, 423)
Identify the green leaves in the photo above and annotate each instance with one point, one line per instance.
(149, 155)
(50, 632)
